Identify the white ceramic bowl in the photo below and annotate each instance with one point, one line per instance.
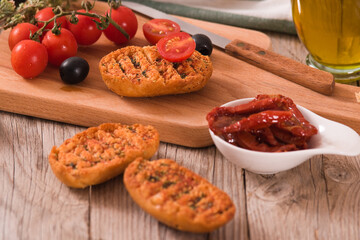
(332, 138)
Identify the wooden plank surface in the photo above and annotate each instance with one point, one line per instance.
(90, 103)
(316, 200)
(180, 119)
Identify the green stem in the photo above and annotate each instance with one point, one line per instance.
(56, 31)
(117, 26)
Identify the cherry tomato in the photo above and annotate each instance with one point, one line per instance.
(60, 47)
(85, 30)
(126, 19)
(29, 58)
(176, 47)
(21, 32)
(156, 29)
(47, 13)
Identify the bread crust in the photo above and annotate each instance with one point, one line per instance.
(134, 71)
(101, 153)
(176, 196)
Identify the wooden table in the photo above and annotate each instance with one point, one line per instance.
(319, 199)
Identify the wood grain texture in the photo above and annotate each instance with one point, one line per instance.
(179, 119)
(311, 78)
(28, 189)
(91, 103)
(316, 200)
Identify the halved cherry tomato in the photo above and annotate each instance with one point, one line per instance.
(156, 29)
(47, 13)
(21, 32)
(176, 47)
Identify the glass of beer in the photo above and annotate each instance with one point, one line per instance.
(330, 30)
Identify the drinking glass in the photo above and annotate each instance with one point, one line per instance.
(330, 30)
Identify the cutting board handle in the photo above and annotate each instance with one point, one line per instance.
(314, 79)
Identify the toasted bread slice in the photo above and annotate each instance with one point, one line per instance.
(141, 72)
(100, 153)
(176, 196)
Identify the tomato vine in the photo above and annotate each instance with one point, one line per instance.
(10, 15)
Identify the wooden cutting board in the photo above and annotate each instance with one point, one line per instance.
(180, 119)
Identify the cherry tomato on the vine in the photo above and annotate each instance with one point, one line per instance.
(156, 29)
(21, 32)
(126, 19)
(45, 14)
(85, 30)
(29, 58)
(60, 47)
(176, 47)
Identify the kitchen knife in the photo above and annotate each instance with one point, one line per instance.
(317, 80)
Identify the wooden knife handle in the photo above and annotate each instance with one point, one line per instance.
(315, 79)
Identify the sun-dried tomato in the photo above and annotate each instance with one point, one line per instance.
(270, 123)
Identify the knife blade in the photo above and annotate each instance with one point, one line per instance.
(312, 78)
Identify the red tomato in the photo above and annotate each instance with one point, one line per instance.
(60, 47)
(176, 47)
(126, 19)
(85, 30)
(21, 32)
(156, 29)
(29, 58)
(47, 13)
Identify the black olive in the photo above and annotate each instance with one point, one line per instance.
(74, 70)
(203, 44)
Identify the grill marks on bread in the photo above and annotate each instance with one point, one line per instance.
(100, 153)
(141, 71)
(176, 196)
(143, 63)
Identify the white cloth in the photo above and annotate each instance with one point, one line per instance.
(268, 9)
